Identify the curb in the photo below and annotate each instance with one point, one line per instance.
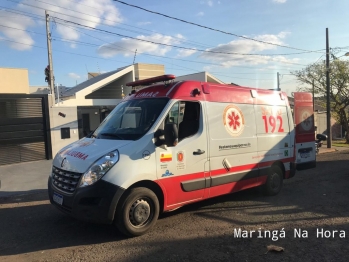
(329, 150)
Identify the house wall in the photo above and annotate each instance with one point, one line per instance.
(92, 75)
(321, 123)
(144, 71)
(201, 76)
(14, 81)
(196, 77)
(57, 122)
(39, 90)
(88, 102)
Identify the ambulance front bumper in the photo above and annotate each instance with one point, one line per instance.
(95, 203)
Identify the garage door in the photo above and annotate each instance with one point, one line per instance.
(24, 129)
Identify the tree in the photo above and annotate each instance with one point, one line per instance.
(339, 87)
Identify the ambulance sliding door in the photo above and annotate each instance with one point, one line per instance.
(233, 145)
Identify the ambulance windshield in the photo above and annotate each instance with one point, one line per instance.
(131, 119)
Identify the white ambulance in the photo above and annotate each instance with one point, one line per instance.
(173, 143)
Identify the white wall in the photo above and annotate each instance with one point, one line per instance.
(196, 77)
(57, 122)
(39, 90)
(14, 81)
(202, 76)
(88, 102)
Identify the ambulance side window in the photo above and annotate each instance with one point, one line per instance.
(186, 115)
(173, 115)
(176, 114)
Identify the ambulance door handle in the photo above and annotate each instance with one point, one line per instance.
(198, 152)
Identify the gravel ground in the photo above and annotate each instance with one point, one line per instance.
(314, 201)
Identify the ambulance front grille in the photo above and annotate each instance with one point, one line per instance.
(65, 180)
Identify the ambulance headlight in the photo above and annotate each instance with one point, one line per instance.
(99, 168)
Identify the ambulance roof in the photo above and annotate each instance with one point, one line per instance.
(203, 91)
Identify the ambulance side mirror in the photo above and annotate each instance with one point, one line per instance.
(171, 134)
(321, 137)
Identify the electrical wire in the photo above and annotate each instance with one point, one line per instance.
(10, 10)
(152, 55)
(29, 31)
(210, 28)
(61, 51)
(96, 45)
(186, 48)
(176, 46)
(122, 62)
(80, 18)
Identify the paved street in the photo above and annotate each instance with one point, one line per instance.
(33, 230)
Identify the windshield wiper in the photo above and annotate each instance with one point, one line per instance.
(112, 135)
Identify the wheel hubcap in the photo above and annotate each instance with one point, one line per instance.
(139, 212)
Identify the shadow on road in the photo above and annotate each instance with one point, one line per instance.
(22, 196)
(312, 199)
(30, 223)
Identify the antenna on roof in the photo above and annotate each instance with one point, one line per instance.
(134, 58)
(99, 71)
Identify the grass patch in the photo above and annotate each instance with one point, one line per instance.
(339, 143)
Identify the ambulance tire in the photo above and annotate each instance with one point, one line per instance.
(137, 212)
(274, 181)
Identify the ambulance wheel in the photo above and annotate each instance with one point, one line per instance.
(137, 212)
(274, 181)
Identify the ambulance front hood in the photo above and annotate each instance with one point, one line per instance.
(79, 156)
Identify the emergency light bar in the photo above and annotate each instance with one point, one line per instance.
(151, 80)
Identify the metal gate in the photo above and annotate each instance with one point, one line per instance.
(24, 128)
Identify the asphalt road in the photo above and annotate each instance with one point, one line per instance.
(314, 201)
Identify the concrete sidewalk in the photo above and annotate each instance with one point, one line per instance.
(324, 149)
(26, 178)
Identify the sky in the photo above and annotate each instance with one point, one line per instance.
(246, 42)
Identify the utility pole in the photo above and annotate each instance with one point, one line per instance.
(58, 90)
(278, 81)
(313, 97)
(49, 50)
(329, 131)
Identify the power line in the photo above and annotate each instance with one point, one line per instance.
(6, 9)
(186, 48)
(23, 30)
(185, 60)
(175, 46)
(289, 81)
(90, 44)
(80, 18)
(8, 40)
(219, 74)
(96, 45)
(210, 28)
(122, 62)
(193, 49)
(152, 31)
